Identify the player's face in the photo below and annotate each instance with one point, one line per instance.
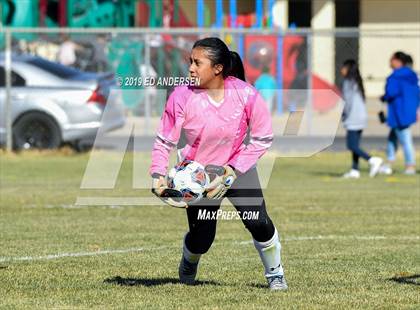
(202, 68)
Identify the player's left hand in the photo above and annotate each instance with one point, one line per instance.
(169, 196)
(222, 178)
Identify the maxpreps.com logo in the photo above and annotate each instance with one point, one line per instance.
(220, 214)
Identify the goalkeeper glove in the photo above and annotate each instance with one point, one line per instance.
(168, 195)
(221, 178)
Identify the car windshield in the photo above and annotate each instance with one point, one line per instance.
(54, 68)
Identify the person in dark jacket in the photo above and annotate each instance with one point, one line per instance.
(402, 95)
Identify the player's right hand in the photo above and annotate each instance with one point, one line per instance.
(168, 195)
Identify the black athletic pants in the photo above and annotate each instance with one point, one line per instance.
(245, 195)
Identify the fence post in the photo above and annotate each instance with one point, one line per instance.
(309, 108)
(279, 71)
(8, 103)
(147, 101)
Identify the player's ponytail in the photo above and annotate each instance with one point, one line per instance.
(219, 53)
(236, 67)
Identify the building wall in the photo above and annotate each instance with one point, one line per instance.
(375, 50)
(323, 18)
(190, 8)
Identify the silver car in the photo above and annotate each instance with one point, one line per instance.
(53, 104)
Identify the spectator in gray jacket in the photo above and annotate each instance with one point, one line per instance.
(355, 119)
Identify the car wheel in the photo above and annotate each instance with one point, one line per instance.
(36, 130)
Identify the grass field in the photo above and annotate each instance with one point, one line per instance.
(343, 242)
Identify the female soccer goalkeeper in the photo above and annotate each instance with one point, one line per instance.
(215, 118)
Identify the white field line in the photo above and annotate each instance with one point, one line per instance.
(133, 250)
(337, 237)
(77, 254)
(140, 201)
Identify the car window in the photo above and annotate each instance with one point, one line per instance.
(17, 80)
(53, 67)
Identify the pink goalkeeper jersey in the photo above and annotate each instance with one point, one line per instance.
(214, 134)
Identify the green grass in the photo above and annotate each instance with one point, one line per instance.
(343, 241)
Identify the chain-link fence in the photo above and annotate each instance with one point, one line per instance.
(274, 61)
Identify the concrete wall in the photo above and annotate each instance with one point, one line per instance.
(375, 47)
(375, 50)
(323, 18)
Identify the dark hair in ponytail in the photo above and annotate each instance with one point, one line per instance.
(219, 53)
(236, 66)
(409, 60)
(353, 74)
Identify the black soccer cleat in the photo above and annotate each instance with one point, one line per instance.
(187, 271)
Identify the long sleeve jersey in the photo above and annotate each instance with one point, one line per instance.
(215, 134)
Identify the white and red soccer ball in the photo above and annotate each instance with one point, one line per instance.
(189, 178)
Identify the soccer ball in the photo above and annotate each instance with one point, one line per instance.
(189, 178)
